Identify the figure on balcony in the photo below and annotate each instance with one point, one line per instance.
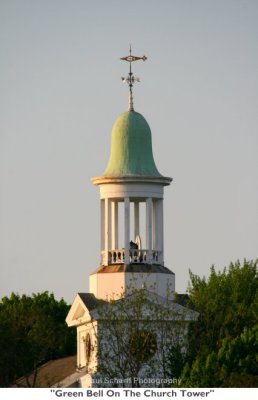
(133, 254)
(133, 245)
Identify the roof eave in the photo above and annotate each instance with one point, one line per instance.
(104, 180)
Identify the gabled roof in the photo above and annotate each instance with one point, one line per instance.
(49, 374)
(87, 308)
(170, 309)
(184, 300)
(90, 301)
(81, 309)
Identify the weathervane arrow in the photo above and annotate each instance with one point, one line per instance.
(131, 58)
(131, 79)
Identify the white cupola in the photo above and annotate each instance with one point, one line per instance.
(131, 207)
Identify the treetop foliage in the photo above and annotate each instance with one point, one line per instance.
(32, 331)
(221, 350)
(223, 344)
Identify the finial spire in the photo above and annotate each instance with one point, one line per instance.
(131, 79)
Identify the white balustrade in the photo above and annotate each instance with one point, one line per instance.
(136, 256)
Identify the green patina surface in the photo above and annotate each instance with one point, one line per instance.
(131, 148)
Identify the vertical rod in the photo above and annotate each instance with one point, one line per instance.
(114, 225)
(102, 224)
(155, 224)
(160, 230)
(149, 228)
(127, 228)
(107, 230)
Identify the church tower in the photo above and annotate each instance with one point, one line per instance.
(131, 257)
(131, 207)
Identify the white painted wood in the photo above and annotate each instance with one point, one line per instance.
(154, 225)
(160, 229)
(114, 244)
(102, 225)
(108, 230)
(132, 190)
(127, 228)
(109, 286)
(149, 228)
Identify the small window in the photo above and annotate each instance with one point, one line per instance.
(88, 348)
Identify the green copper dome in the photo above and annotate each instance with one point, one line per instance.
(131, 148)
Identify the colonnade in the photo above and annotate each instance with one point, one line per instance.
(115, 245)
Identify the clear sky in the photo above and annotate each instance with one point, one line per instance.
(60, 94)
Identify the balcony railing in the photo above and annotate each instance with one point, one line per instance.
(143, 256)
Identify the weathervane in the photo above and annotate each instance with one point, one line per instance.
(131, 79)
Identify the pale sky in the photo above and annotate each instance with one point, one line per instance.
(60, 95)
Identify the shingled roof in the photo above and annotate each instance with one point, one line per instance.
(90, 301)
(134, 267)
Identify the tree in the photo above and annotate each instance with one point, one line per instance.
(135, 336)
(238, 358)
(32, 331)
(223, 343)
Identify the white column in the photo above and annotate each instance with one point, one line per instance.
(136, 219)
(149, 228)
(114, 225)
(107, 236)
(160, 230)
(102, 231)
(155, 225)
(102, 224)
(127, 228)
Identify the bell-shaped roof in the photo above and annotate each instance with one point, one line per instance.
(131, 148)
